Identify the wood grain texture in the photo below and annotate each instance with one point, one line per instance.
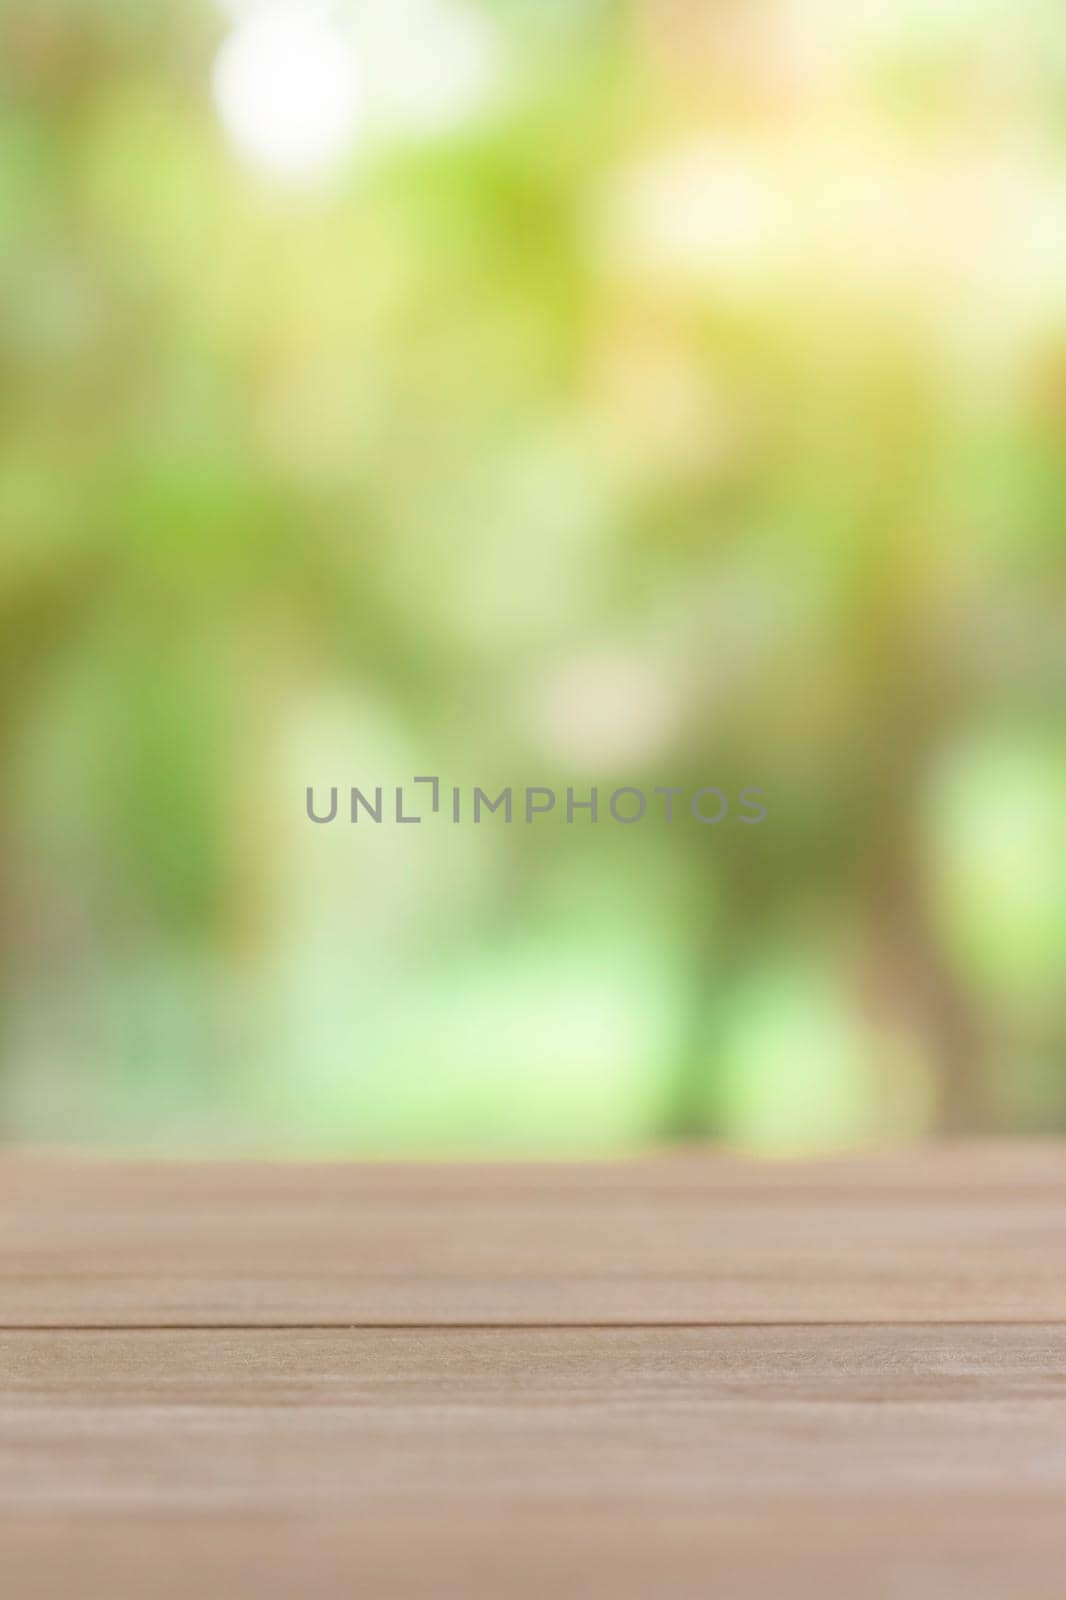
(727, 1461)
(963, 1235)
(197, 1394)
(362, 1421)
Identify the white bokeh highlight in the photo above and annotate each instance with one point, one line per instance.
(287, 88)
(298, 82)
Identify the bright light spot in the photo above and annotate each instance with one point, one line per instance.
(286, 86)
(431, 64)
(704, 209)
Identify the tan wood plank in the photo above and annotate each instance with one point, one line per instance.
(998, 1166)
(907, 1548)
(897, 1462)
(920, 1461)
(365, 1418)
(955, 1235)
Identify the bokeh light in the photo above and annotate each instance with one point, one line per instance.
(288, 89)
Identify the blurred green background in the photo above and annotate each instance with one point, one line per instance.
(614, 392)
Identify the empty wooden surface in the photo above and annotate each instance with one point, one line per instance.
(688, 1376)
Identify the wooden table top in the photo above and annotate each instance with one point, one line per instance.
(690, 1376)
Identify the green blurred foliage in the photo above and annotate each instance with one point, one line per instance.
(691, 409)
